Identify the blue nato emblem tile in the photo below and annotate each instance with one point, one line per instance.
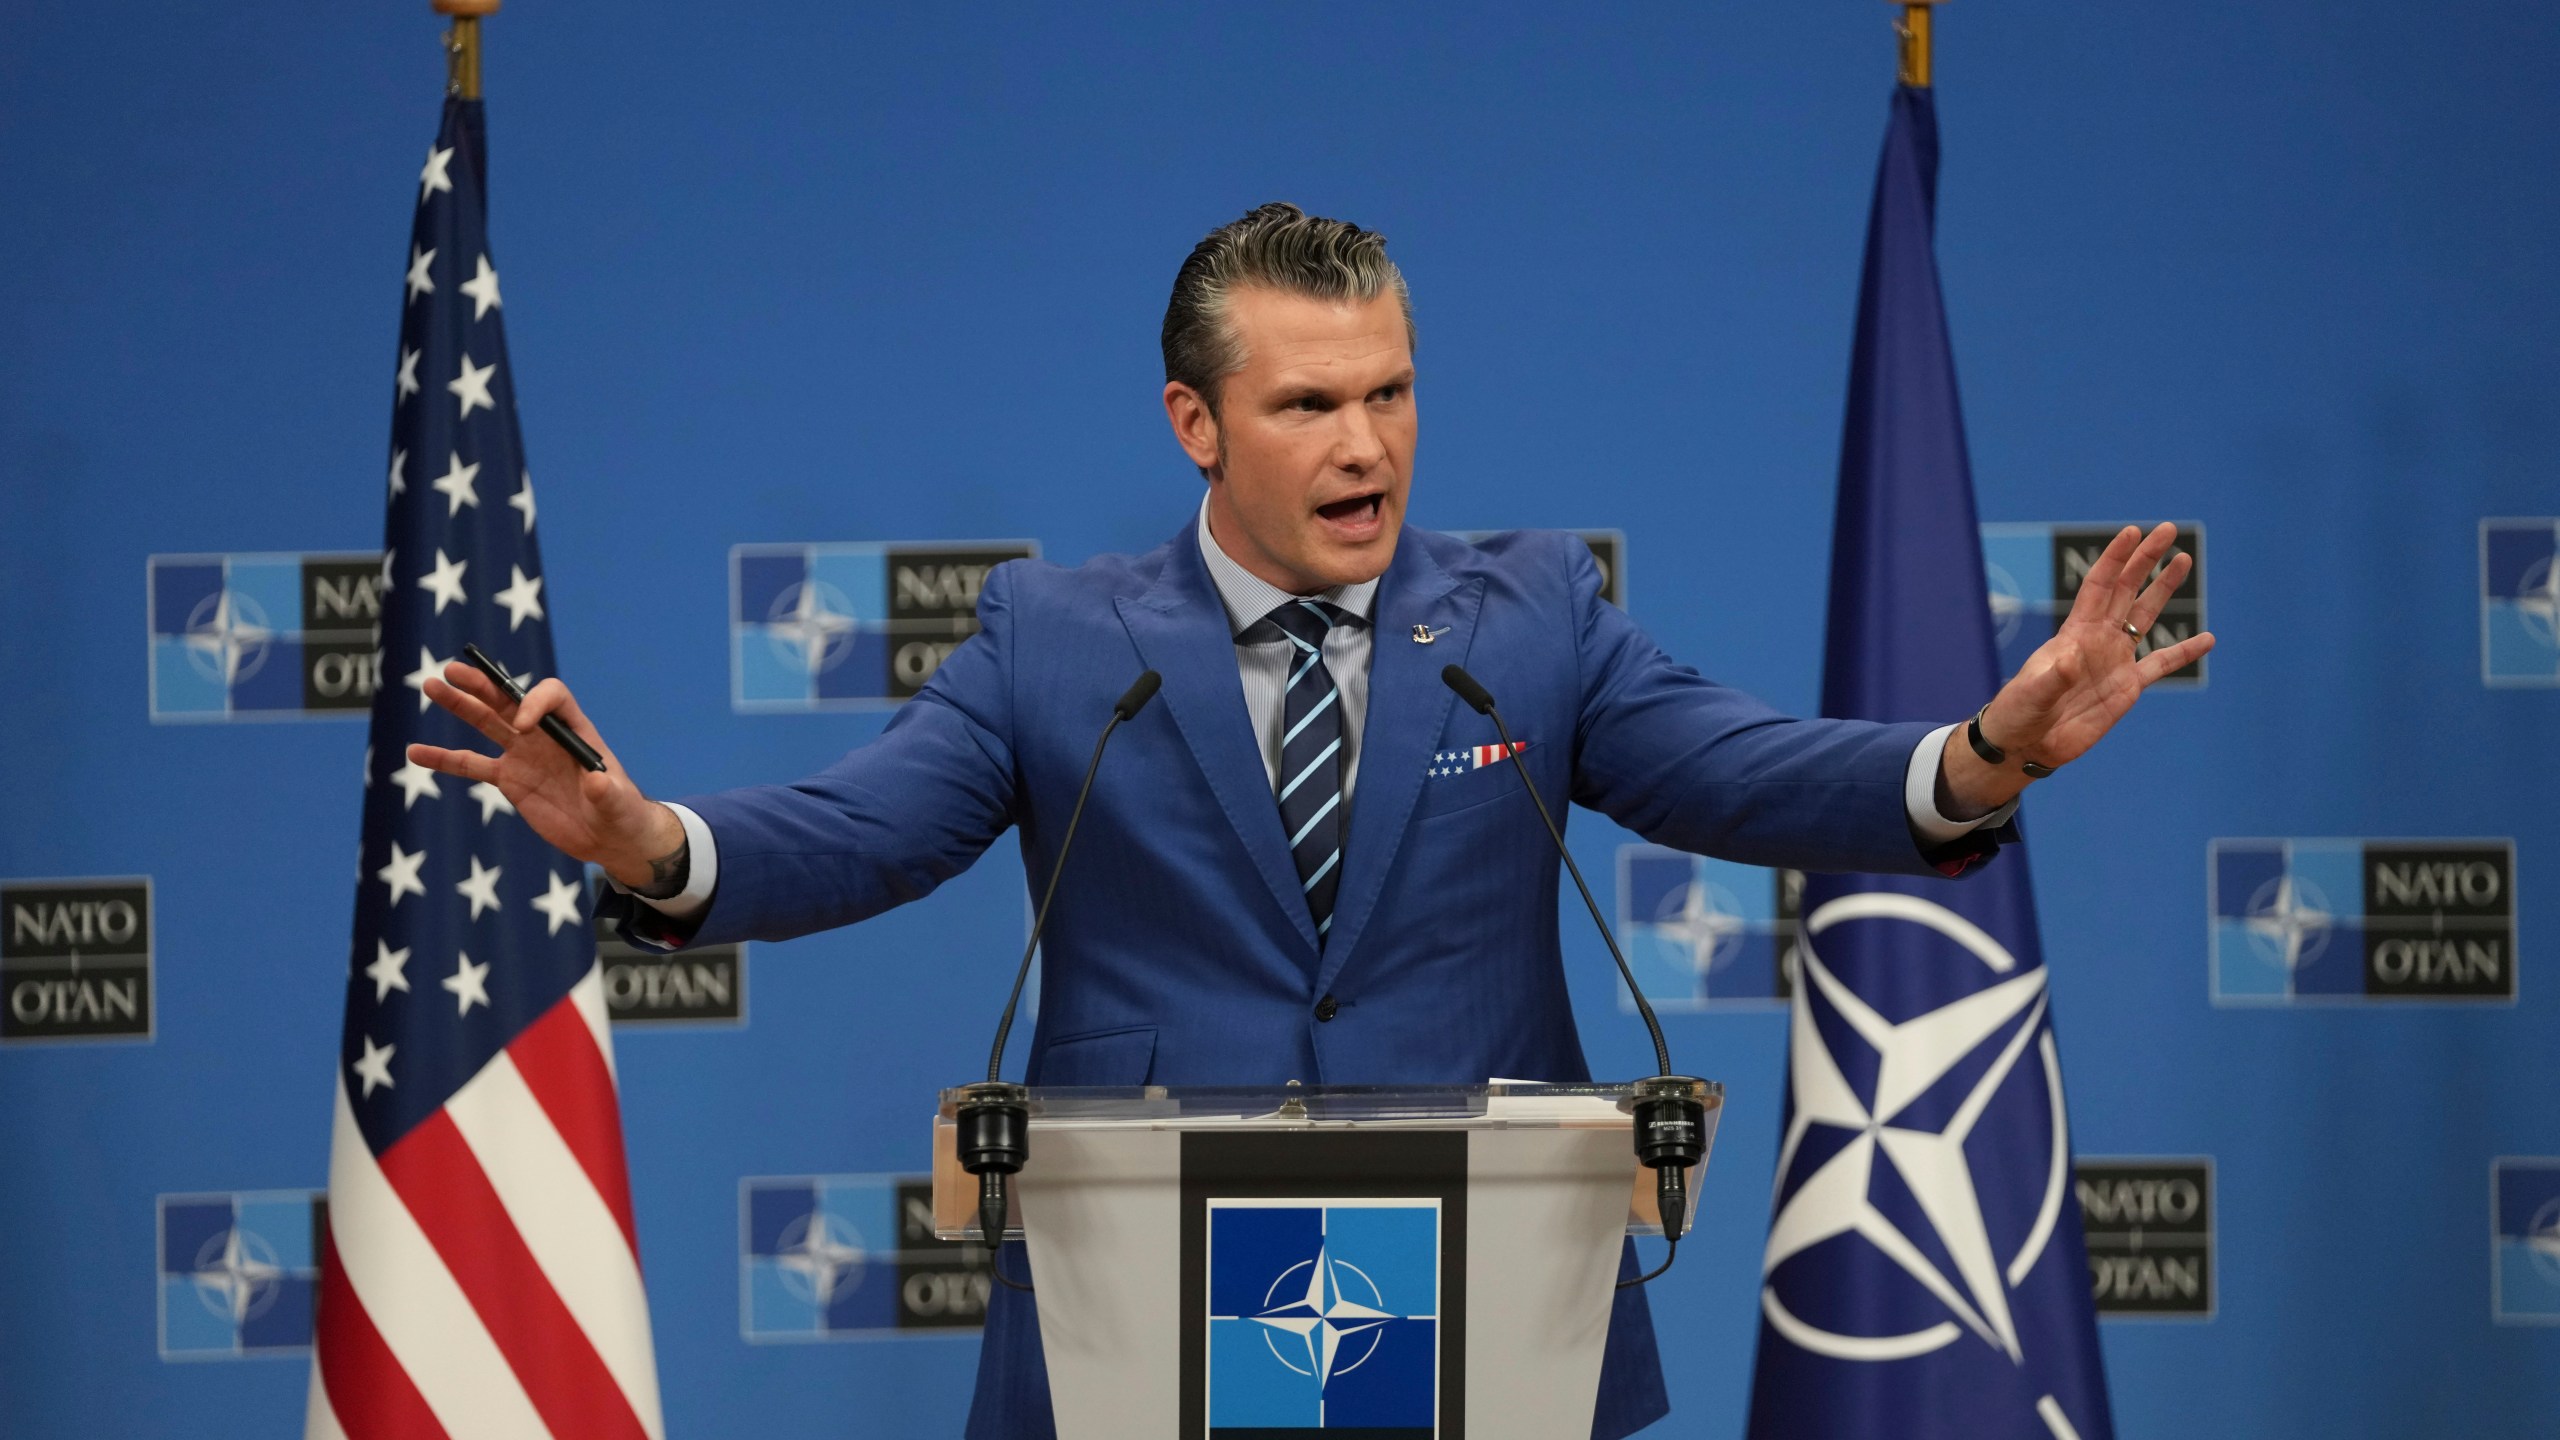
(1323, 1315)
(2520, 601)
(851, 1257)
(2311, 921)
(237, 1274)
(1705, 934)
(2525, 1240)
(235, 636)
(852, 626)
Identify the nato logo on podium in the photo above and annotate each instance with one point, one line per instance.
(1324, 1316)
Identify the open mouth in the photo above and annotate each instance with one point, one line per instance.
(1356, 512)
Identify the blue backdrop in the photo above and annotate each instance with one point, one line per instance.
(803, 273)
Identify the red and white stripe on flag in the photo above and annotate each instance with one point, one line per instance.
(479, 1279)
(1495, 754)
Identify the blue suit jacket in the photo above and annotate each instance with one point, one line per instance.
(1180, 951)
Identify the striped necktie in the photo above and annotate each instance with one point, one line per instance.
(1310, 774)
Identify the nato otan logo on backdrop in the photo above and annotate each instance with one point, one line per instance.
(1608, 551)
(1705, 934)
(2035, 572)
(1324, 1315)
(2334, 921)
(852, 1257)
(2520, 601)
(75, 958)
(238, 1273)
(852, 626)
(264, 637)
(2149, 1223)
(2524, 1222)
(704, 986)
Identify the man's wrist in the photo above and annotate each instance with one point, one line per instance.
(664, 865)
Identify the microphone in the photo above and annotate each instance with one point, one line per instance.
(995, 1118)
(1669, 1113)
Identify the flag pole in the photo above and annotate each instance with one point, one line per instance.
(462, 45)
(1913, 27)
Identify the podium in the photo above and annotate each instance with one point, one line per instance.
(1388, 1263)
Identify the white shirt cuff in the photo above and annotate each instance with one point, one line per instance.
(702, 859)
(1920, 796)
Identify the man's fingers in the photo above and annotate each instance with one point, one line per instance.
(553, 698)
(2155, 597)
(468, 709)
(462, 764)
(2097, 596)
(2169, 660)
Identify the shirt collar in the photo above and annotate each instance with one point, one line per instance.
(1249, 597)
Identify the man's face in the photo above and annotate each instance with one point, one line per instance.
(1311, 451)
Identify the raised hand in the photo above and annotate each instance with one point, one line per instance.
(2078, 684)
(596, 816)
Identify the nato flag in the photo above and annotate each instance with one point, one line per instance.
(1925, 1275)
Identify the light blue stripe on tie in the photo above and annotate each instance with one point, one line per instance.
(1303, 719)
(1324, 925)
(1330, 801)
(1312, 657)
(1321, 870)
(1317, 611)
(1291, 787)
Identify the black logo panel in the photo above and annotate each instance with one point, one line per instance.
(2149, 1224)
(2076, 549)
(933, 606)
(2440, 921)
(75, 959)
(942, 1284)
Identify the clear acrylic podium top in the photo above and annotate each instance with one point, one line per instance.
(1501, 1104)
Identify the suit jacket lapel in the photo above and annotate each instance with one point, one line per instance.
(1180, 629)
(1408, 710)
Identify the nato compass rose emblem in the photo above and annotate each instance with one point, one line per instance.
(815, 1262)
(1874, 1167)
(812, 626)
(1705, 919)
(2289, 921)
(1312, 1324)
(227, 636)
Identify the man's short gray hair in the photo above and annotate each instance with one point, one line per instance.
(1283, 248)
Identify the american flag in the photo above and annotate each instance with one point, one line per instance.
(480, 1273)
(1473, 757)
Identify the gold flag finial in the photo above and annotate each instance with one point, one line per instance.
(462, 44)
(1913, 27)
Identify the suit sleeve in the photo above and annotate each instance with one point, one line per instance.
(884, 825)
(1702, 767)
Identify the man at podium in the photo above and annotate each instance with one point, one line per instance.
(1308, 861)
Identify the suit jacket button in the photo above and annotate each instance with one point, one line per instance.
(1326, 1008)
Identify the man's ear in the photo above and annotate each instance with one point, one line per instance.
(1194, 428)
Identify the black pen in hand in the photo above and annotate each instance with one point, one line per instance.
(552, 725)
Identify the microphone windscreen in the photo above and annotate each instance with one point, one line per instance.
(1468, 690)
(1135, 699)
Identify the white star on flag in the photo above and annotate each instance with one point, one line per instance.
(471, 387)
(399, 458)
(433, 178)
(386, 586)
(523, 500)
(492, 800)
(483, 290)
(389, 970)
(429, 668)
(420, 282)
(523, 599)
(375, 1065)
(559, 902)
(415, 780)
(481, 889)
(456, 484)
(445, 581)
(469, 984)
(402, 873)
(408, 379)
